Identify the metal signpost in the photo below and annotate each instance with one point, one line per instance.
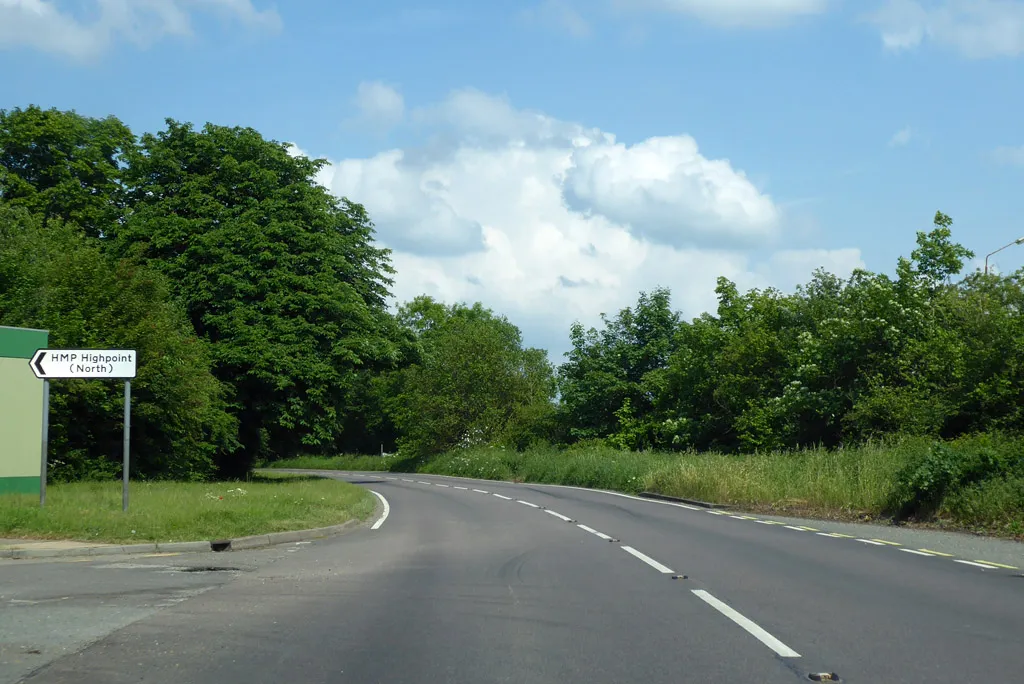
(93, 364)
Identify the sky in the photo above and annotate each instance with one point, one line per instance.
(554, 158)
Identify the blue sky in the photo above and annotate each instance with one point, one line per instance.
(756, 139)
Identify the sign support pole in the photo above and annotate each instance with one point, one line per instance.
(46, 442)
(127, 438)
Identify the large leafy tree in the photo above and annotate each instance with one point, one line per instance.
(59, 280)
(278, 275)
(63, 166)
(614, 375)
(473, 382)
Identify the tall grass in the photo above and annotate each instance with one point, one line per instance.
(177, 511)
(872, 480)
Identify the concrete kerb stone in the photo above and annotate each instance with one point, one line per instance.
(239, 544)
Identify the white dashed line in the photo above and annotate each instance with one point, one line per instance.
(559, 515)
(438, 484)
(715, 512)
(387, 509)
(405, 479)
(591, 530)
(975, 564)
(481, 491)
(918, 553)
(766, 522)
(871, 541)
(647, 559)
(746, 623)
(527, 503)
(798, 529)
(829, 534)
(506, 498)
(739, 517)
(458, 487)
(422, 482)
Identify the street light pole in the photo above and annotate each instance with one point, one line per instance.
(1018, 241)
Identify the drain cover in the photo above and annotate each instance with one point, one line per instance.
(823, 677)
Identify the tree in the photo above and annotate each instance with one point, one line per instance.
(473, 383)
(279, 276)
(63, 166)
(614, 375)
(59, 280)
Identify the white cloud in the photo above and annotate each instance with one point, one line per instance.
(734, 13)
(379, 104)
(548, 221)
(1013, 156)
(562, 15)
(977, 29)
(901, 138)
(47, 26)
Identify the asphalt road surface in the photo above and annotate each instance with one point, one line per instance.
(476, 582)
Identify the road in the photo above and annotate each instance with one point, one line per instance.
(479, 582)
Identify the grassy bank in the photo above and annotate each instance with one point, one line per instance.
(174, 511)
(974, 483)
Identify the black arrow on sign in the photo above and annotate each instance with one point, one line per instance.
(39, 362)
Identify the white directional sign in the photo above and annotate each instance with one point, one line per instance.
(84, 363)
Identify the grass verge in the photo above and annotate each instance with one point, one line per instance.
(178, 511)
(862, 483)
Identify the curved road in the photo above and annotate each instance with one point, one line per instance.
(475, 582)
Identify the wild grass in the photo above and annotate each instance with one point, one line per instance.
(873, 480)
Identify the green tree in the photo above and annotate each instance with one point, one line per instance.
(612, 377)
(59, 280)
(279, 276)
(63, 166)
(473, 382)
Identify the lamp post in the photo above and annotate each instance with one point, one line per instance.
(1018, 241)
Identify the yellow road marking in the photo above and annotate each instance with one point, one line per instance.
(844, 536)
(937, 553)
(998, 565)
(890, 543)
(809, 529)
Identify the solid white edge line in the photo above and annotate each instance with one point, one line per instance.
(559, 515)
(746, 623)
(527, 503)
(872, 542)
(918, 553)
(502, 496)
(647, 559)
(591, 530)
(387, 509)
(977, 565)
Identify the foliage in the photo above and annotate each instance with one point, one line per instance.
(279, 276)
(57, 279)
(63, 166)
(472, 384)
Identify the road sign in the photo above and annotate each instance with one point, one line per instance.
(48, 364)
